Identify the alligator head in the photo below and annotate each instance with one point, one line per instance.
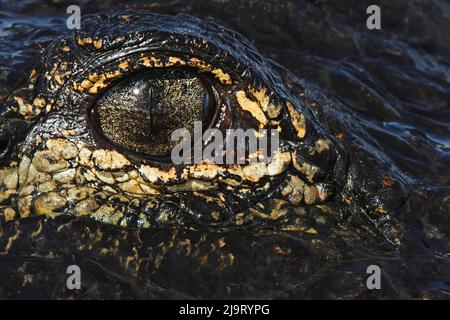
(88, 136)
(93, 151)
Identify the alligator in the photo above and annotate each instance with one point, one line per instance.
(85, 177)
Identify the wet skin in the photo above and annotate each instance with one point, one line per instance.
(76, 192)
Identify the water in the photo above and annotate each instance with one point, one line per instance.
(393, 86)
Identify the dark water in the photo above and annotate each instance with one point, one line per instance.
(393, 85)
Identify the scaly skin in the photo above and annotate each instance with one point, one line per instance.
(152, 228)
(63, 165)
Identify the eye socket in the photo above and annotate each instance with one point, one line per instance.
(141, 112)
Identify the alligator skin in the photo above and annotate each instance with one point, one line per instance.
(143, 228)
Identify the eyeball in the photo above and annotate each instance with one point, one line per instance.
(140, 112)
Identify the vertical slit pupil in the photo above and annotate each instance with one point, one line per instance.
(141, 112)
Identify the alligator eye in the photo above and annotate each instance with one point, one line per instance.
(141, 112)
